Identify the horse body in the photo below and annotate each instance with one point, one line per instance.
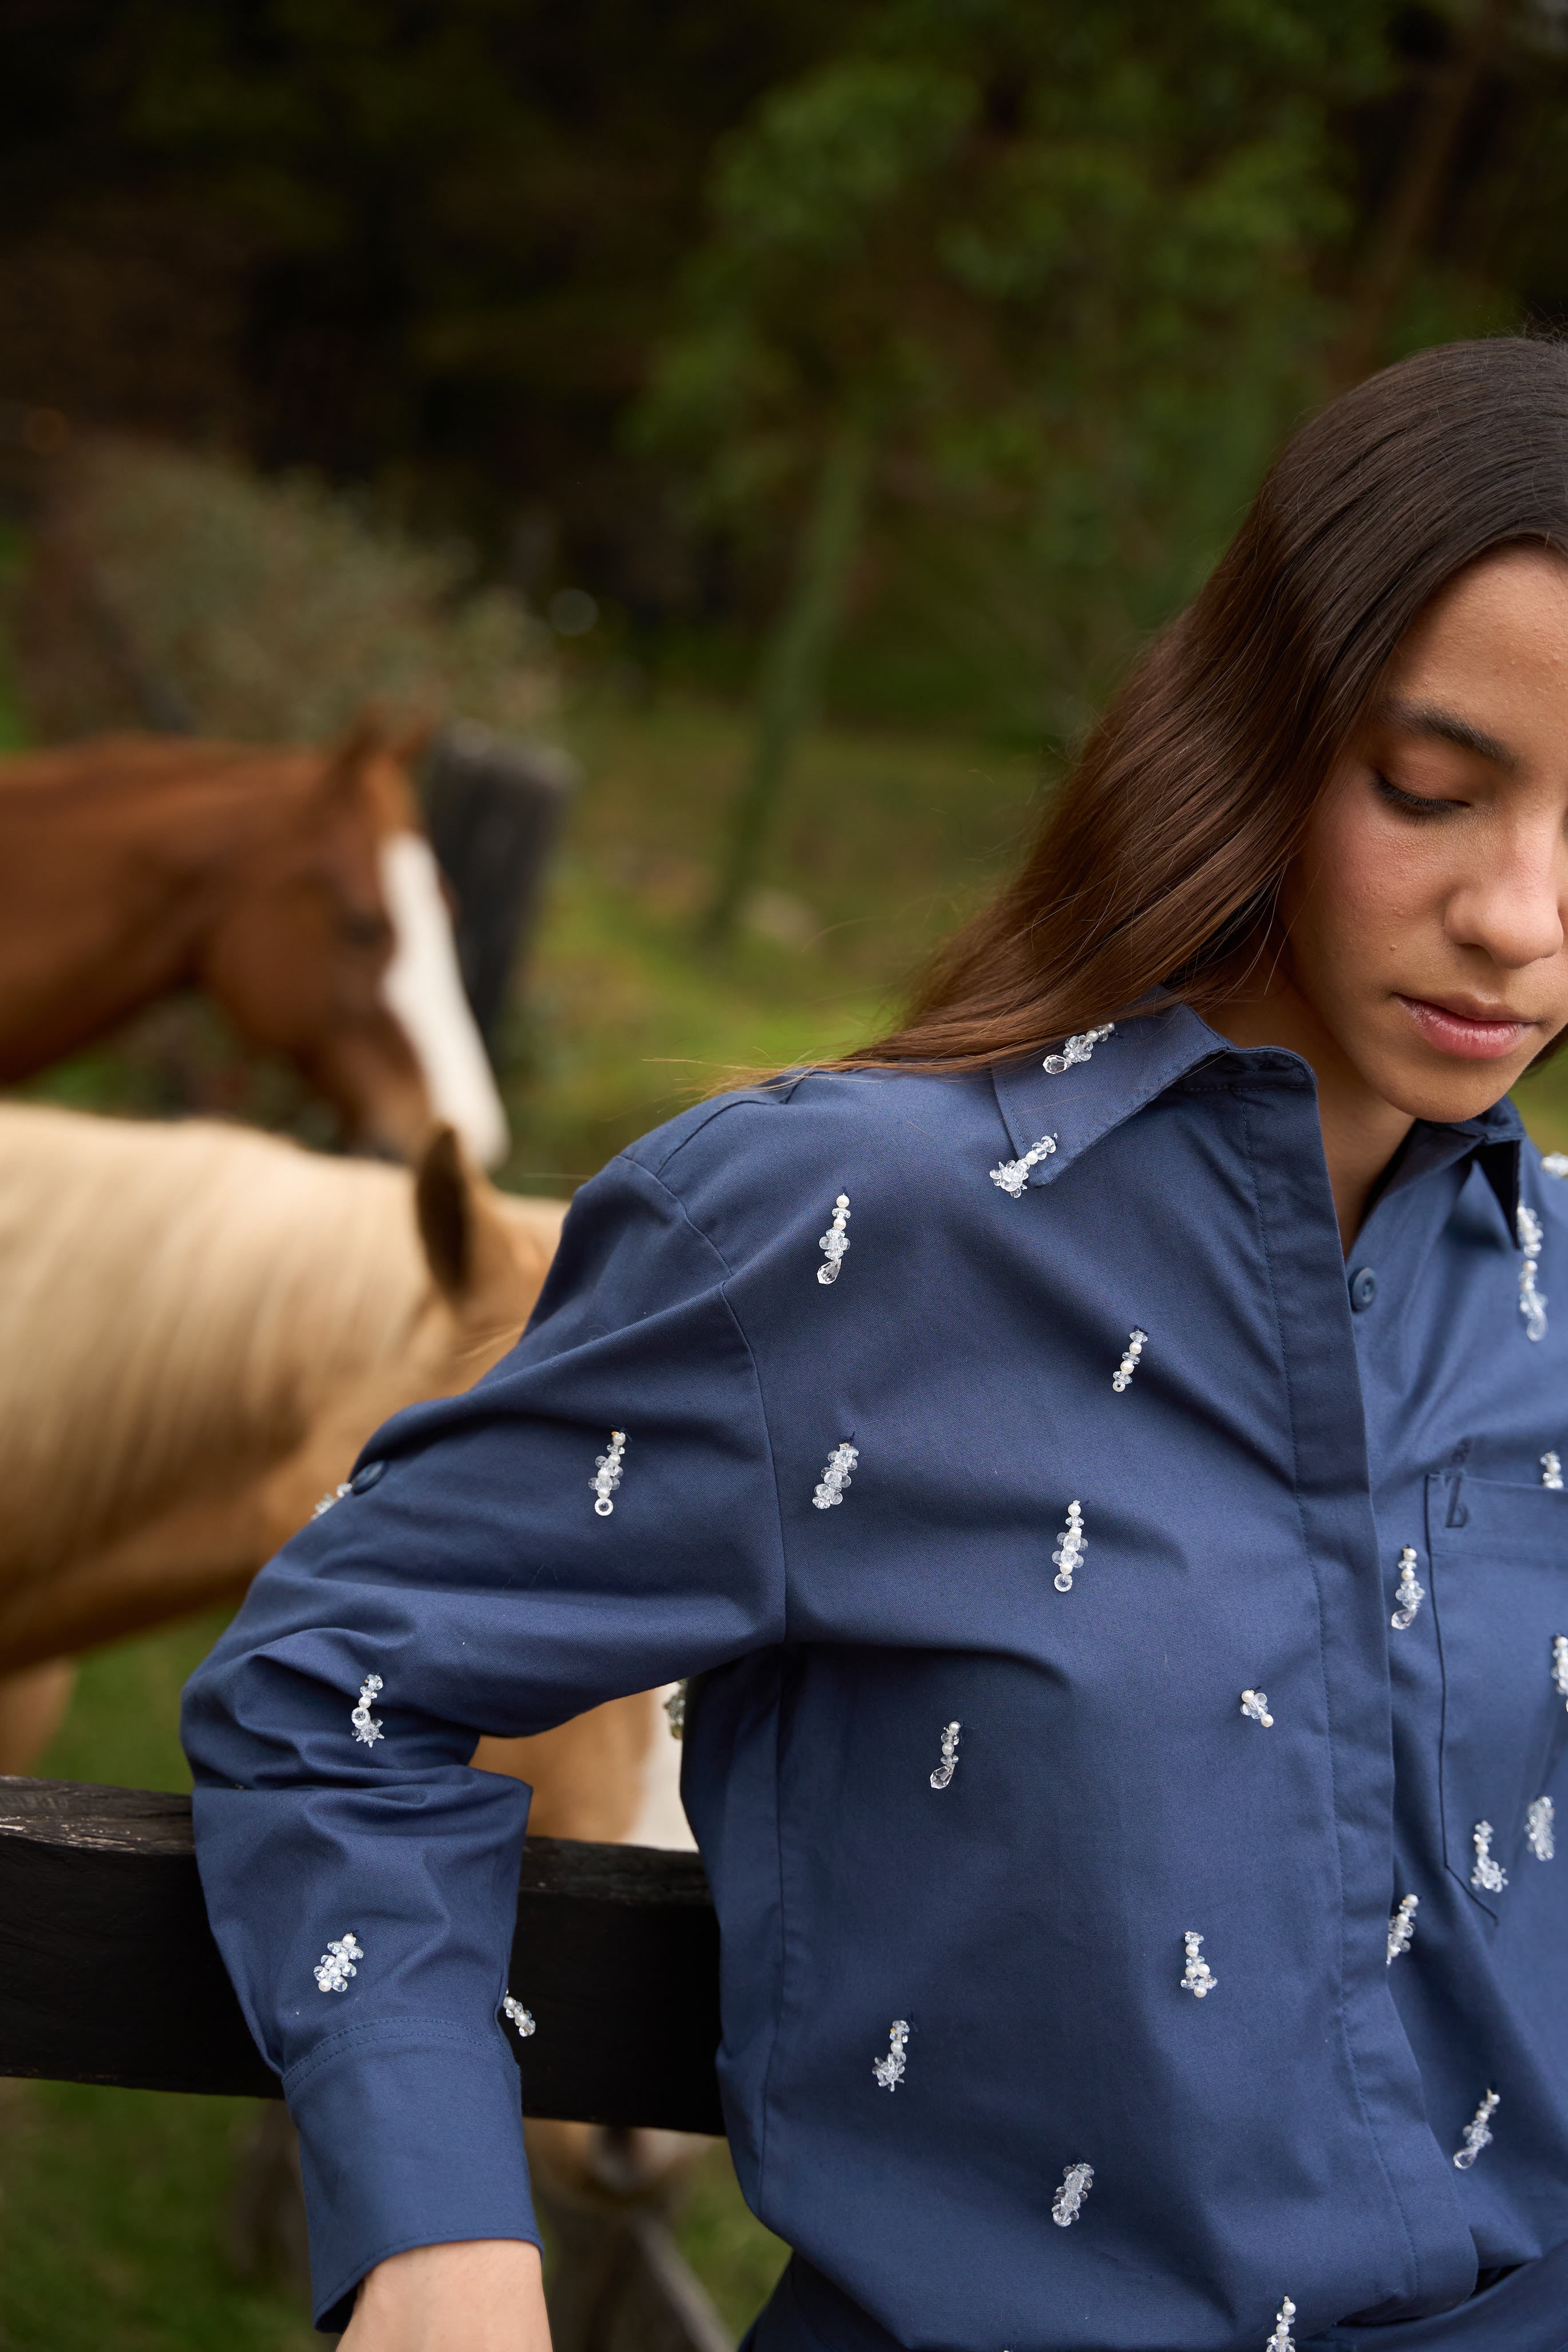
(198, 1327)
(293, 886)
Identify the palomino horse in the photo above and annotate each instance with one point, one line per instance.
(198, 1327)
(293, 886)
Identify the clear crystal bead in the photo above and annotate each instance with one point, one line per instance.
(1068, 2203)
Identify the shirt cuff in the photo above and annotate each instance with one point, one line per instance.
(411, 2133)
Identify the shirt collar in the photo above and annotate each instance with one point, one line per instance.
(1124, 1071)
(1494, 1139)
(1143, 1057)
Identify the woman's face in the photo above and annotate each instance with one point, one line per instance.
(1427, 916)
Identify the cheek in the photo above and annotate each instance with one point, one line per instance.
(1362, 892)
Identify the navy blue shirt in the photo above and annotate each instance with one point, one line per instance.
(1112, 1606)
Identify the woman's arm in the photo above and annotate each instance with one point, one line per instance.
(482, 2295)
(360, 1878)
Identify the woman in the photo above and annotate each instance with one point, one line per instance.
(1100, 1450)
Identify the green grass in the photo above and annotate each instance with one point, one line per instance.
(882, 841)
(112, 2207)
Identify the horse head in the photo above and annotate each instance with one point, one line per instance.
(333, 945)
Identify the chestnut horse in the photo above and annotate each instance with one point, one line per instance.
(292, 885)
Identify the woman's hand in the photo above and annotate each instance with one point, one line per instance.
(482, 2295)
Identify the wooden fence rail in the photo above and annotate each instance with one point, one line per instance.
(108, 1972)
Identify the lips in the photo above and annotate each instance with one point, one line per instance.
(1468, 1036)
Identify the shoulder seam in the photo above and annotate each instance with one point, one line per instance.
(716, 1110)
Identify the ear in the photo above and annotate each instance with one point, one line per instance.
(343, 769)
(444, 1205)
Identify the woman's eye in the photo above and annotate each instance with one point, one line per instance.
(1417, 804)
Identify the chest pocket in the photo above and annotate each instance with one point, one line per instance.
(1499, 1559)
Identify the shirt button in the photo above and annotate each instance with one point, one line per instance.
(1363, 1290)
(366, 1475)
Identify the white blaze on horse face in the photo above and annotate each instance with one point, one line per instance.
(423, 989)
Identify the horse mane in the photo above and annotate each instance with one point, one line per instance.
(177, 1303)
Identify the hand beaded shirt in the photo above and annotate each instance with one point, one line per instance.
(1112, 1606)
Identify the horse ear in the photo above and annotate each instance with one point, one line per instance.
(342, 770)
(444, 1205)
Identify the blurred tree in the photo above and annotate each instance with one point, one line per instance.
(421, 246)
(1063, 272)
(1056, 268)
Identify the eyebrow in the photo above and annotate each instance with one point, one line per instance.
(1447, 727)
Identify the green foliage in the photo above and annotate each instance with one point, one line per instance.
(1070, 266)
(280, 609)
(600, 284)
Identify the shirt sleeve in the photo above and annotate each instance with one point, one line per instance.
(474, 1571)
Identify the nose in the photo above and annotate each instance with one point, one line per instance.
(1511, 904)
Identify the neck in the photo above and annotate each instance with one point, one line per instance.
(1362, 1131)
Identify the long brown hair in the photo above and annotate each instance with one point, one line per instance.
(1160, 859)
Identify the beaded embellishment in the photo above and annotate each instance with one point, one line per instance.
(366, 1726)
(1282, 2339)
(523, 2019)
(333, 1494)
(830, 1488)
(1013, 1174)
(1071, 1546)
(1121, 1378)
(336, 1965)
(675, 1710)
(1077, 1049)
(1552, 1471)
(1559, 1664)
(835, 1241)
(607, 1475)
(1556, 1163)
(1197, 1977)
(889, 2071)
(1402, 1927)
(1255, 1704)
(1068, 2203)
(949, 1764)
(1488, 1876)
(1541, 1817)
(1532, 1302)
(1408, 1594)
(1478, 2132)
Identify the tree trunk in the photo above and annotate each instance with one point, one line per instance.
(792, 663)
(1418, 190)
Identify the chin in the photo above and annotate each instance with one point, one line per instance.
(1433, 1087)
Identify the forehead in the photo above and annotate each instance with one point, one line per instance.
(1506, 614)
(1484, 670)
